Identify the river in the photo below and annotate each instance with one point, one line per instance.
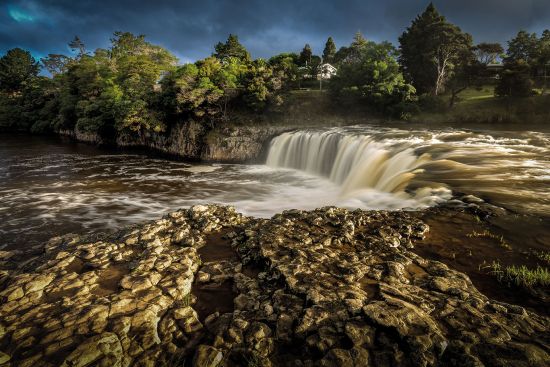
(49, 186)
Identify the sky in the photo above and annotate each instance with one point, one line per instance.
(190, 28)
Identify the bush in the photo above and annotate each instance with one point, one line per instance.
(431, 103)
(515, 81)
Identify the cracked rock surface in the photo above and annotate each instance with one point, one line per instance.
(208, 286)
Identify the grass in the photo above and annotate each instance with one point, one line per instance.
(521, 276)
(472, 95)
(479, 105)
(487, 234)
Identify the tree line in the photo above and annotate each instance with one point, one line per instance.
(136, 86)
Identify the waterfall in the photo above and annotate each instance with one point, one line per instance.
(353, 162)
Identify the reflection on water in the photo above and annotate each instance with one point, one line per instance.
(48, 187)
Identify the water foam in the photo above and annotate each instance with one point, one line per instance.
(365, 169)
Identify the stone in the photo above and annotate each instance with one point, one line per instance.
(207, 356)
(187, 319)
(4, 358)
(340, 287)
(15, 294)
(95, 349)
(39, 283)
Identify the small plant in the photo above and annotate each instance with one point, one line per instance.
(487, 234)
(544, 256)
(521, 276)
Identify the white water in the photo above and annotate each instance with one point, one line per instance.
(368, 172)
(48, 187)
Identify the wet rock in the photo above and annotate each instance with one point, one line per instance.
(328, 287)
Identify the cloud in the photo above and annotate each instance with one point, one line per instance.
(191, 28)
(19, 15)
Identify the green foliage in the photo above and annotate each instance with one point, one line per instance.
(488, 53)
(261, 86)
(370, 74)
(194, 88)
(524, 46)
(134, 86)
(330, 51)
(76, 45)
(17, 69)
(209, 87)
(56, 63)
(286, 67)
(430, 49)
(114, 89)
(544, 256)
(527, 57)
(515, 80)
(521, 276)
(431, 103)
(305, 55)
(232, 48)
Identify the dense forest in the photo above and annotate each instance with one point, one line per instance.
(135, 86)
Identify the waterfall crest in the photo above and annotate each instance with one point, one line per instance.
(354, 162)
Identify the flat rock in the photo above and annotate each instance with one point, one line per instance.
(328, 287)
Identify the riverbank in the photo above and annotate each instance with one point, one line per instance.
(242, 137)
(209, 286)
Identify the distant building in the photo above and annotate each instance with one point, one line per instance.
(326, 71)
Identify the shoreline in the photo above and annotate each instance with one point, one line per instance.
(208, 284)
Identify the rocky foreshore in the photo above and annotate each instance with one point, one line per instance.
(210, 287)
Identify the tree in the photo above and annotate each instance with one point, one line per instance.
(55, 63)
(468, 71)
(330, 51)
(76, 45)
(113, 89)
(372, 76)
(488, 53)
(341, 55)
(515, 80)
(261, 86)
(231, 48)
(17, 69)
(203, 89)
(523, 46)
(429, 49)
(305, 55)
(285, 66)
(544, 48)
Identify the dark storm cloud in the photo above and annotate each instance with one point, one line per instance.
(191, 28)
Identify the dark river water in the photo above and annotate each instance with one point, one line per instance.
(49, 186)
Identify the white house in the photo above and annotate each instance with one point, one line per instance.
(326, 71)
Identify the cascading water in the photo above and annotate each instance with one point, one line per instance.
(47, 188)
(358, 164)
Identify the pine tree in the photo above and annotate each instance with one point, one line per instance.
(76, 45)
(430, 48)
(231, 48)
(305, 55)
(17, 68)
(329, 51)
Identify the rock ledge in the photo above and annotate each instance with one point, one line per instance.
(208, 286)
